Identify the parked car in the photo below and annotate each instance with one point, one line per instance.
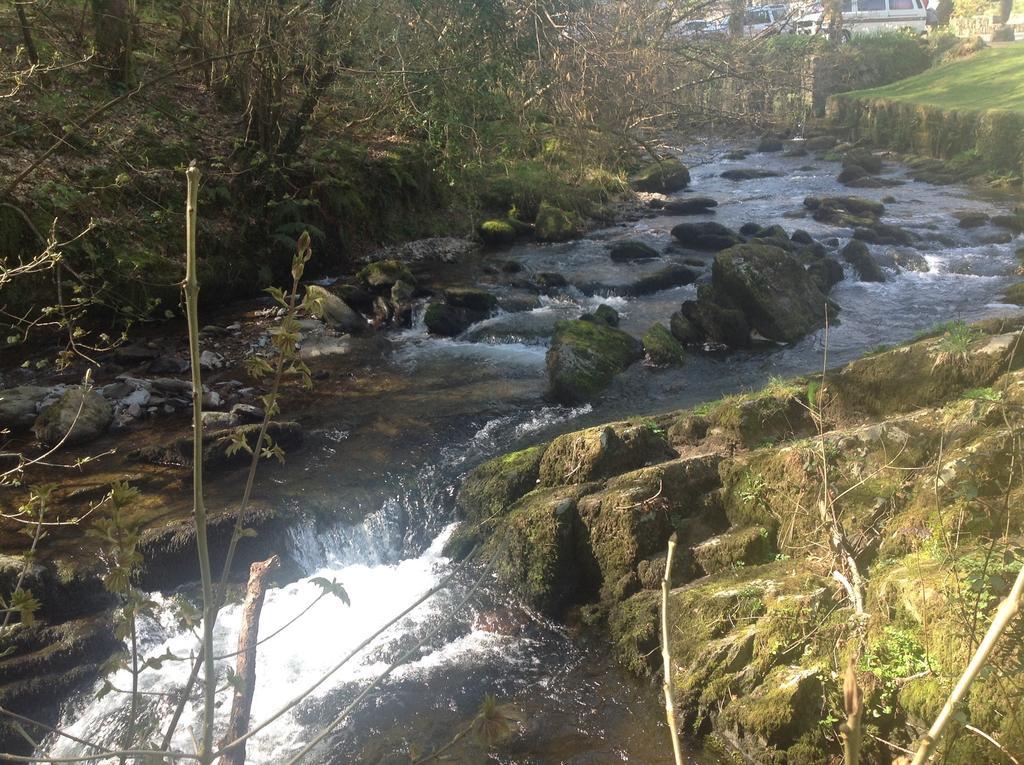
(869, 17)
(764, 20)
(758, 21)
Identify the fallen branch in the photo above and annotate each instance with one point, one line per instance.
(666, 656)
(245, 667)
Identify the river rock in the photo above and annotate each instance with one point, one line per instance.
(884, 233)
(769, 143)
(554, 224)
(632, 249)
(81, 414)
(448, 320)
(381, 275)
(689, 205)
(864, 159)
(971, 218)
(595, 454)
(18, 406)
(749, 174)
(496, 232)
(603, 314)
(778, 297)
(1014, 223)
(801, 237)
(826, 273)
(684, 330)
(662, 349)
(709, 236)
(471, 298)
(664, 176)
(910, 260)
(584, 357)
(666, 278)
(725, 326)
(845, 210)
(550, 281)
(335, 311)
(820, 143)
(857, 255)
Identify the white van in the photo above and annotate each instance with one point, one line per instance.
(869, 17)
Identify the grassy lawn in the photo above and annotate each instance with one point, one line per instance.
(991, 79)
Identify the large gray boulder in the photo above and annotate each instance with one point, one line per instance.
(335, 311)
(779, 298)
(79, 416)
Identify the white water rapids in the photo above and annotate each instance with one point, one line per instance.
(289, 662)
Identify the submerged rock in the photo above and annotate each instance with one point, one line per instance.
(632, 249)
(689, 205)
(663, 279)
(749, 174)
(584, 357)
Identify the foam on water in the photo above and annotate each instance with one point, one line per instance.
(297, 657)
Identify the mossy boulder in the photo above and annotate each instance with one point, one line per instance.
(783, 708)
(471, 298)
(864, 159)
(752, 420)
(708, 236)
(381, 275)
(535, 553)
(490, 489)
(826, 273)
(599, 453)
(736, 547)
(632, 249)
(448, 320)
(584, 358)
(77, 417)
(884, 233)
(497, 232)
(727, 326)
(925, 373)
(778, 297)
(1015, 294)
(663, 176)
(858, 255)
(749, 174)
(554, 224)
(662, 349)
(603, 314)
(845, 210)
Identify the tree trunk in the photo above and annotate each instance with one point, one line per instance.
(26, 34)
(245, 666)
(114, 23)
(737, 12)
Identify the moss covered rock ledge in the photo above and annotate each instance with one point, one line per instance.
(921, 447)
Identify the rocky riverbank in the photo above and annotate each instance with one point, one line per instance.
(439, 347)
(920, 448)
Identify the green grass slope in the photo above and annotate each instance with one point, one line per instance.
(991, 79)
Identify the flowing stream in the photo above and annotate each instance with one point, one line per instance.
(377, 479)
